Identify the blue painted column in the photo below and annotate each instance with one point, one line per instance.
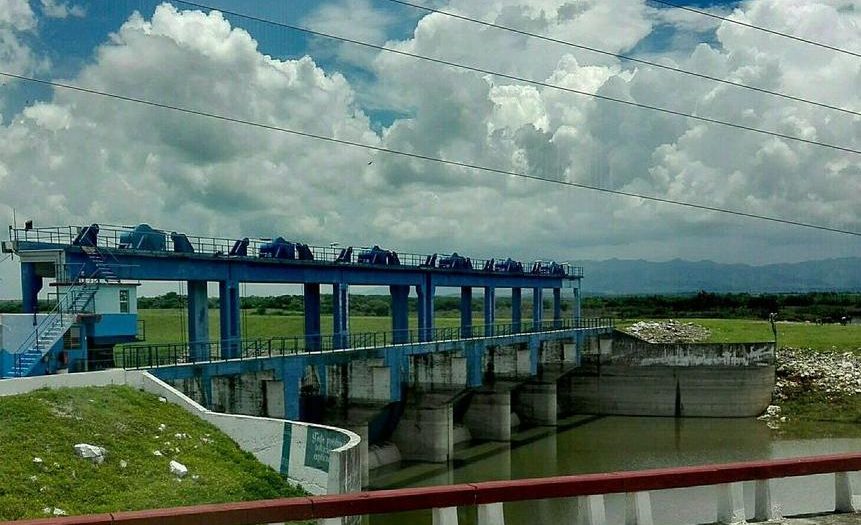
(426, 313)
(489, 310)
(557, 307)
(198, 321)
(516, 302)
(400, 313)
(473, 351)
(229, 318)
(396, 360)
(466, 311)
(341, 314)
(30, 286)
(537, 307)
(580, 340)
(312, 316)
(291, 376)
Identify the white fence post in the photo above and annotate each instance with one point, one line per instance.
(638, 509)
(730, 503)
(844, 495)
(590, 510)
(444, 516)
(764, 507)
(491, 514)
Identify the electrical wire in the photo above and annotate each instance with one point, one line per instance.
(758, 28)
(438, 160)
(619, 56)
(528, 81)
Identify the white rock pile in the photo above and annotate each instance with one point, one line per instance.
(669, 331)
(835, 374)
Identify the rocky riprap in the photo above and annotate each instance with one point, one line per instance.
(834, 374)
(669, 331)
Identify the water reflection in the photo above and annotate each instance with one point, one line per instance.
(589, 444)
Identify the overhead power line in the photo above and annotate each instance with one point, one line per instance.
(429, 158)
(758, 28)
(626, 57)
(529, 81)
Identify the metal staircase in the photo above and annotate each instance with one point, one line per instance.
(53, 327)
(103, 269)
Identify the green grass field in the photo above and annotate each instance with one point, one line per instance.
(47, 424)
(165, 326)
(797, 335)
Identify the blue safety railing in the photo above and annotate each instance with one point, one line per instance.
(137, 356)
(110, 237)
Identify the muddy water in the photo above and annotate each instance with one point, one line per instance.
(603, 444)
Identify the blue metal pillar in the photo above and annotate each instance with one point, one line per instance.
(396, 360)
(537, 308)
(579, 339)
(291, 377)
(229, 318)
(341, 314)
(400, 313)
(557, 307)
(198, 321)
(516, 317)
(466, 311)
(489, 310)
(30, 286)
(426, 313)
(312, 316)
(473, 351)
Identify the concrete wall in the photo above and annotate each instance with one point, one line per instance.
(701, 391)
(633, 351)
(320, 459)
(445, 369)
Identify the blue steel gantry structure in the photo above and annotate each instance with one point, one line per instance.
(65, 252)
(120, 253)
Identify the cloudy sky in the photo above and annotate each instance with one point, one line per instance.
(71, 158)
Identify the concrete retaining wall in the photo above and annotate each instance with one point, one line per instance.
(702, 391)
(633, 351)
(321, 459)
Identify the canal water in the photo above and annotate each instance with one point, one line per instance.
(588, 444)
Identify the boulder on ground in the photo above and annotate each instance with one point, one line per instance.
(91, 452)
(178, 469)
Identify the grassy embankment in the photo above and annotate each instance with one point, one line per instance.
(47, 424)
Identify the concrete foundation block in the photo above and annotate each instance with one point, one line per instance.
(524, 362)
(569, 353)
(730, 503)
(426, 434)
(638, 509)
(489, 416)
(537, 403)
(590, 510)
(491, 514)
(844, 493)
(444, 516)
(765, 508)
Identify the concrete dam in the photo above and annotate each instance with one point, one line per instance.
(409, 393)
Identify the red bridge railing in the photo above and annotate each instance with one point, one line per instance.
(489, 496)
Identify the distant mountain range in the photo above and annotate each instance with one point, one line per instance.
(616, 276)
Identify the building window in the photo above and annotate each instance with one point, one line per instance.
(124, 301)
